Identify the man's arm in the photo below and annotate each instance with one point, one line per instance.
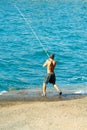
(45, 64)
(54, 63)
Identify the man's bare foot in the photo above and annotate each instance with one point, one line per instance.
(43, 94)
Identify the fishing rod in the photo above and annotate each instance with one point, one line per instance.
(29, 25)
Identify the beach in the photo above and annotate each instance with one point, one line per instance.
(44, 114)
(30, 31)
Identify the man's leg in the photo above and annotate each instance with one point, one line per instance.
(44, 89)
(57, 88)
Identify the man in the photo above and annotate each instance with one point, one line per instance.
(50, 77)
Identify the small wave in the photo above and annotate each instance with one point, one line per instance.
(2, 92)
(80, 92)
(78, 78)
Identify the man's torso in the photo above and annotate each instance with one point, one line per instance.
(51, 66)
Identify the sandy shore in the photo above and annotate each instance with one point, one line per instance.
(44, 115)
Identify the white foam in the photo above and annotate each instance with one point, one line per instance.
(2, 92)
(80, 92)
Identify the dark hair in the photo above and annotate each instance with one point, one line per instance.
(52, 56)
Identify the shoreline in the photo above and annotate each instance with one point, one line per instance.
(35, 95)
(12, 102)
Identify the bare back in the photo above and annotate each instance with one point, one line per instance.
(50, 65)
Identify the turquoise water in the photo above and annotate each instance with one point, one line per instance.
(61, 26)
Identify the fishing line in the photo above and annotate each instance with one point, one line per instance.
(29, 25)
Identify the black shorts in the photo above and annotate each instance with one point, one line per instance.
(50, 78)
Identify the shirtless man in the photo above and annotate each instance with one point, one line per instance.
(50, 77)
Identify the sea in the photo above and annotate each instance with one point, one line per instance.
(31, 30)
